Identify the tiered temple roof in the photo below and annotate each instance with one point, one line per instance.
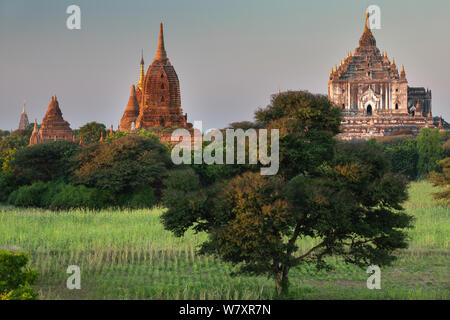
(53, 127)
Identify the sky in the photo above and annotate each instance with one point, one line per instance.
(230, 56)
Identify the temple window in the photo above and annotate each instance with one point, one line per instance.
(396, 106)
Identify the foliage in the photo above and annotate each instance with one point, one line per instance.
(8, 183)
(91, 132)
(59, 196)
(44, 161)
(80, 197)
(244, 125)
(123, 165)
(307, 125)
(442, 179)
(404, 157)
(139, 132)
(12, 142)
(4, 133)
(28, 196)
(140, 199)
(15, 277)
(430, 151)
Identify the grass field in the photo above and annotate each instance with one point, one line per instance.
(128, 255)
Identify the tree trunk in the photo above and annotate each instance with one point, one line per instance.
(282, 281)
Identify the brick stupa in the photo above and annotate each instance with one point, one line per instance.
(131, 111)
(53, 127)
(157, 94)
(23, 123)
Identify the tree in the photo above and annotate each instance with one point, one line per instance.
(44, 161)
(11, 142)
(430, 151)
(442, 179)
(404, 157)
(4, 133)
(307, 124)
(123, 165)
(15, 277)
(342, 195)
(91, 132)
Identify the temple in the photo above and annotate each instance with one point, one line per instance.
(155, 101)
(23, 123)
(374, 96)
(53, 126)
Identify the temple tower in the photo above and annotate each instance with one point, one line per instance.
(53, 127)
(23, 123)
(131, 111)
(160, 103)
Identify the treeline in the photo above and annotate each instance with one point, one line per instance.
(131, 171)
(124, 171)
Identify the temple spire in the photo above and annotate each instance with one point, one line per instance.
(140, 84)
(161, 54)
(366, 27)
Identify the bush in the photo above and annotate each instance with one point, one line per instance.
(79, 197)
(15, 277)
(28, 196)
(140, 199)
(8, 183)
(59, 196)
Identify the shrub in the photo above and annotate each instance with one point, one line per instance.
(28, 196)
(15, 277)
(70, 197)
(9, 183)
(139, 199)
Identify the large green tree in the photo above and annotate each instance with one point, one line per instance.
(343, 196)
(123, 165)
(44, 161)
(91, 132)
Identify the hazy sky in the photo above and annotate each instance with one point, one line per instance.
(230, 55)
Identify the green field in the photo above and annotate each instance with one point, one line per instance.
(128, 255)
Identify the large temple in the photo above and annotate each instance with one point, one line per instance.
(155, 101)
(53, 126)
(374, 97)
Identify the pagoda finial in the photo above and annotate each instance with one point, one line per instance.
(23, 107)
(393, 61)
(366, 27)
(161, 52)
(140, 84)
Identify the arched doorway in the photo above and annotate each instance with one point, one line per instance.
(369, 110)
